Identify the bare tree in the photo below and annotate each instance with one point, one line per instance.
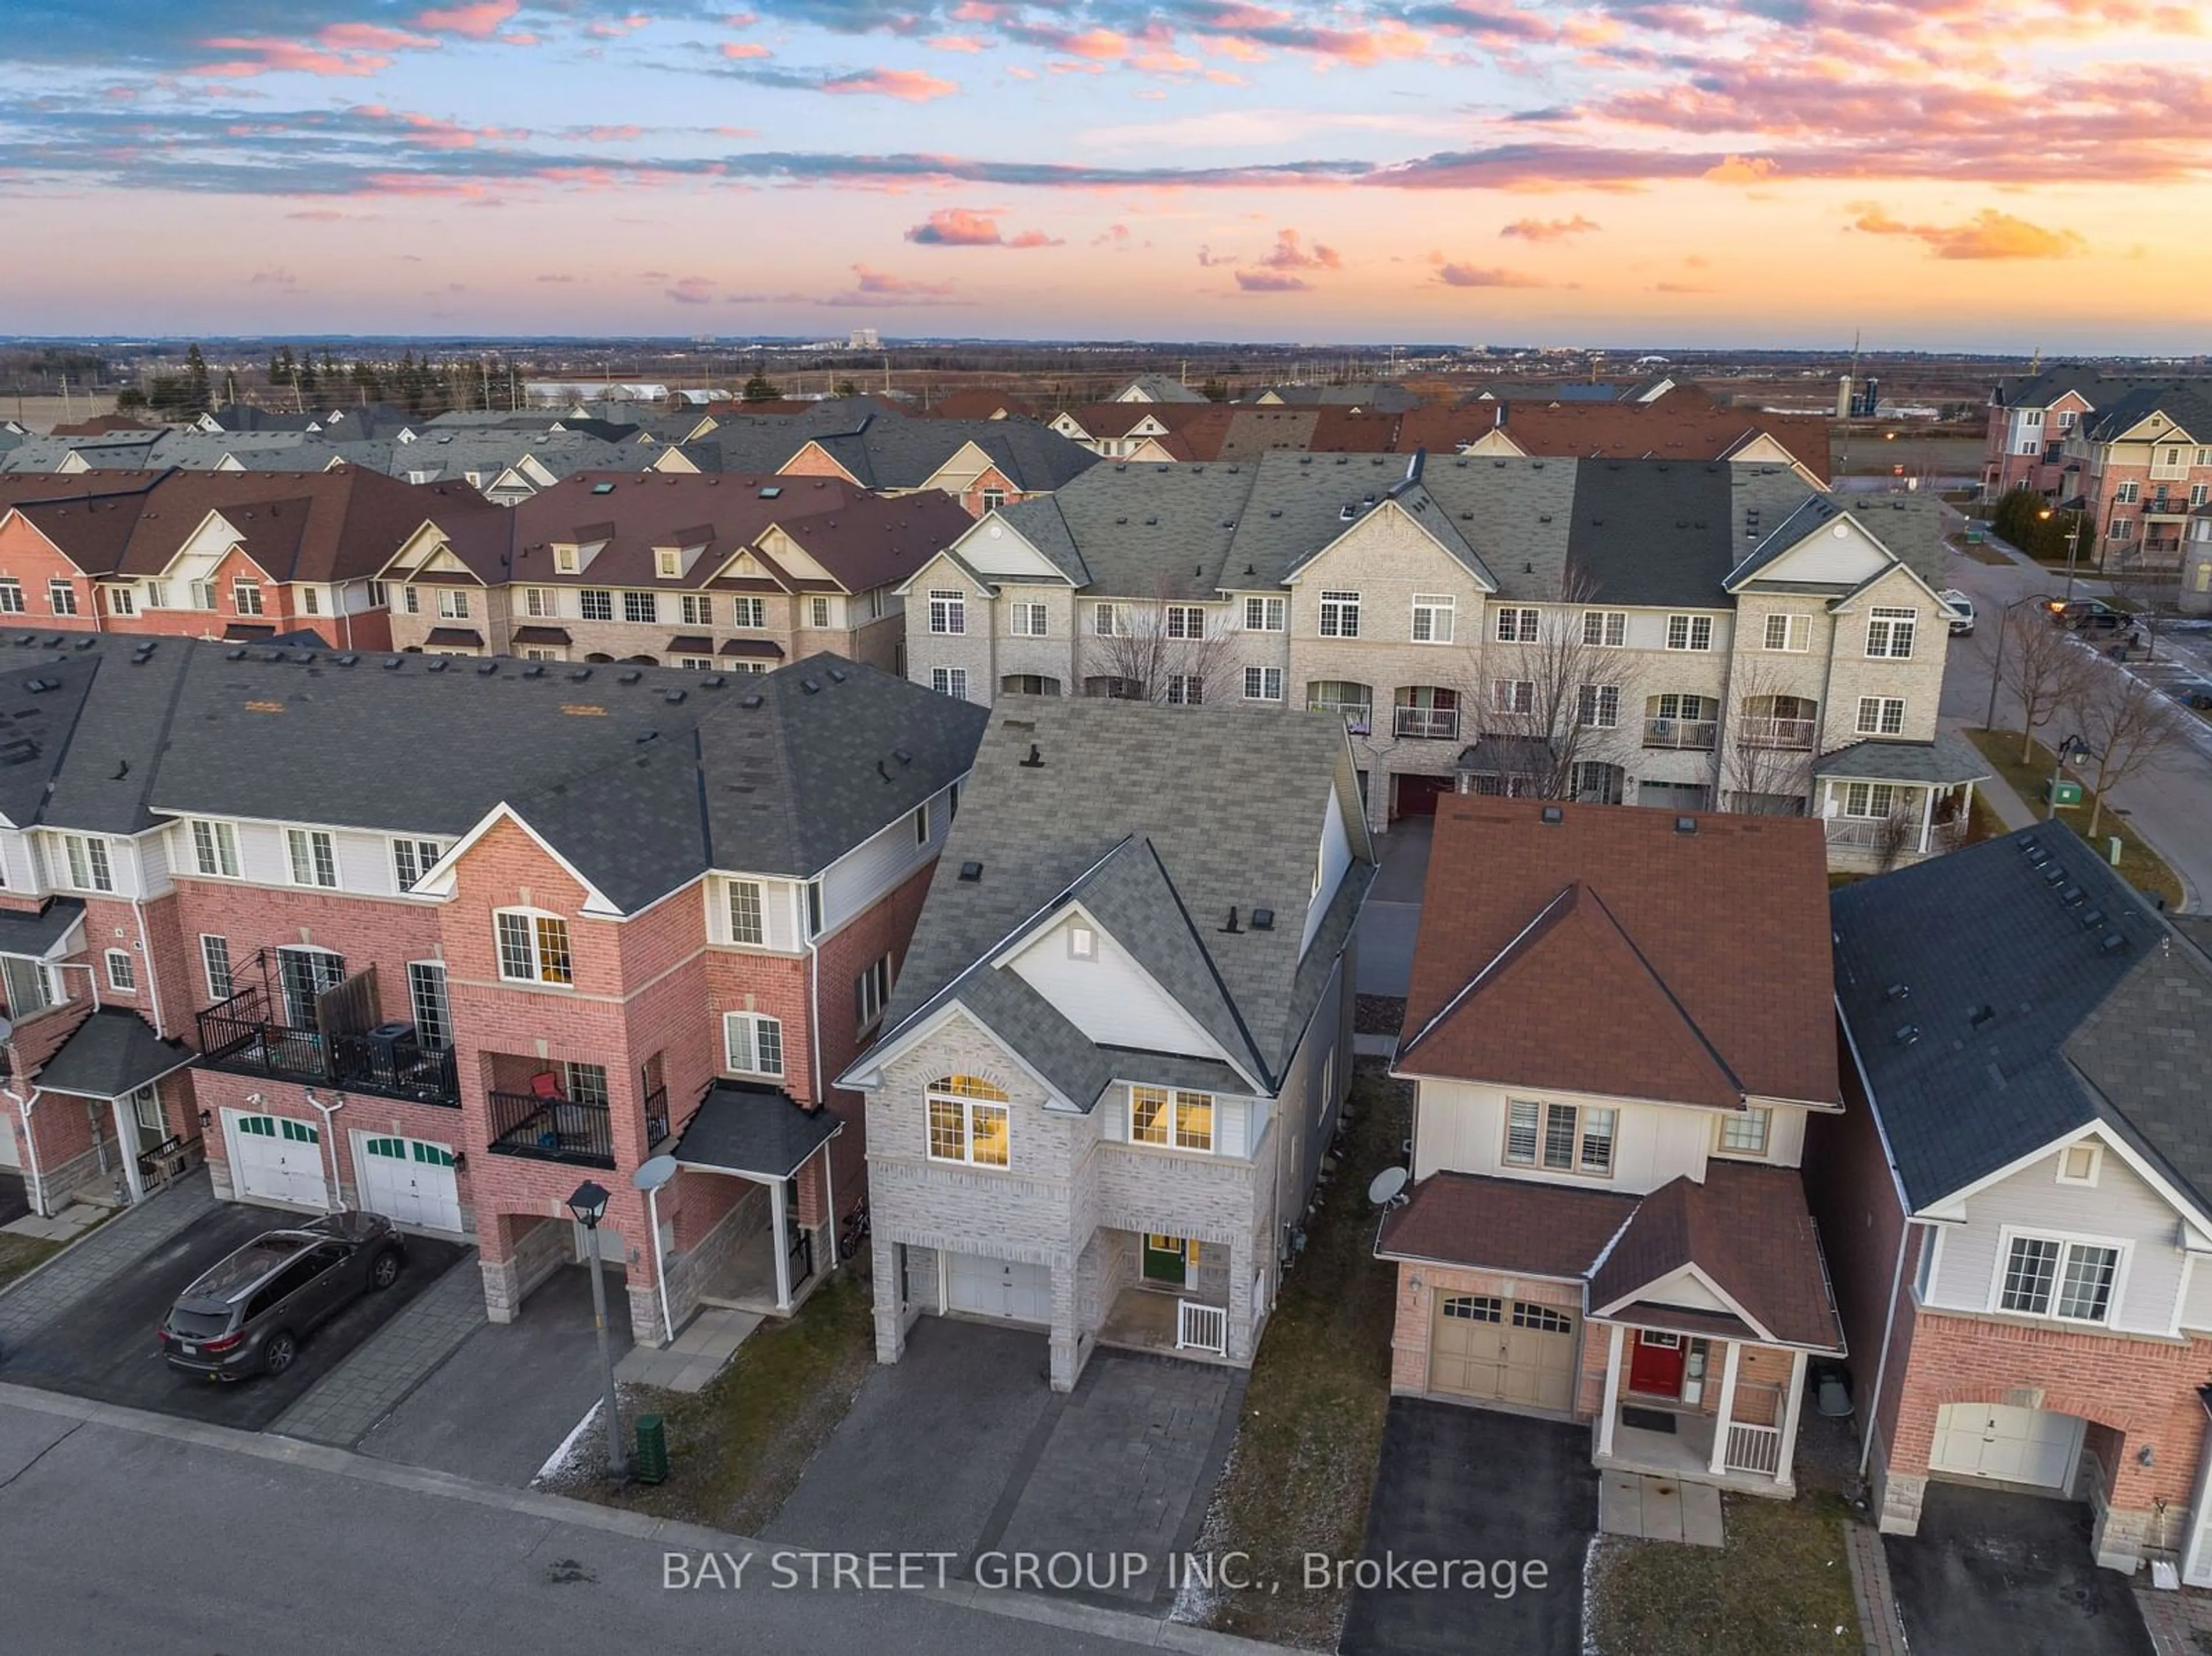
(1553, 697)
(2044, 667)
(2151, 592)
(1760, 774)
(1160, 649)
(2129, 728)
(1897, 831)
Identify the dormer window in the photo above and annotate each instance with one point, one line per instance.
(566, 560)
(667, 562)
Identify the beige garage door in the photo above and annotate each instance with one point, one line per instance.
(1501, 1350)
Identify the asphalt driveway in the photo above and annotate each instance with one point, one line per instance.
(500, 1405)
(101, 1344)
(1993, 1574)
(1471, 1484)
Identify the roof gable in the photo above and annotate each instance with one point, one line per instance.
(1816, 547)
(996, 548)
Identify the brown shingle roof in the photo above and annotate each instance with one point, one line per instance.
(1670, 429)
(634, 512)
(1745, 1228)
(1505, 1224)
(1608, 953)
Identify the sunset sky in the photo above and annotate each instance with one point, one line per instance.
(1996, 174)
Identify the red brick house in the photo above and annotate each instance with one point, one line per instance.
(2018, 1195)
(1617, 1028)
(621, 912)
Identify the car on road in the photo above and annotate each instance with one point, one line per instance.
(1962, 610)
(247, 1315)
(2088, 615)
(2191, 692)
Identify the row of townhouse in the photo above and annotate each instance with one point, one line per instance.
(239, 555)
(2134, 455)
(1682, 636)
(697, 570)
(248, 917)
(734, 573)
(1690, 1131)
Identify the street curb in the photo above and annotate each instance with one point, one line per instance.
(1121, 1625)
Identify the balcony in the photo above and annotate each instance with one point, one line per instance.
(1427, 723)
(546, 1127)
(1698, 735)
(241, 1036)
(1795, 735)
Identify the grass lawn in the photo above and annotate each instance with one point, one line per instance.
(2140, 866)
(1303, 1465)
(1979, 551)
(1780, 1587)
(19, 1254)
(736, 1450)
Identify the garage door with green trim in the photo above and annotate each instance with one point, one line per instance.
(409, 1180)
(276, 1158)
(1499, 1351)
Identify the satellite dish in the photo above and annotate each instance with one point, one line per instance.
(653, 1174)
(1389, 1185)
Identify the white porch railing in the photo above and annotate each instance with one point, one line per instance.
(1201, 1327)
(1758, 731)
(1754, 1449)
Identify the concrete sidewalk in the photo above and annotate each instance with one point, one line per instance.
(377, 1378)
(77, 1270)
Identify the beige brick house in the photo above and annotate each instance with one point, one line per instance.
(708, 571)
(1686, 636)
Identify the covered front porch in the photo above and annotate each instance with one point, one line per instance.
(749, 1225)
(1701, 1408)
(1887, 803)
(1173, 1294)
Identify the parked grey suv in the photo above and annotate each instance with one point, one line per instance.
(248, 1314)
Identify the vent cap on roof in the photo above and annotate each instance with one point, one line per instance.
(972, 872)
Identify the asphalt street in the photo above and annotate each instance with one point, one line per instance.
(2169, 804)
(324, 1550)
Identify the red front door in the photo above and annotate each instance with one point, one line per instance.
(1655, 1365)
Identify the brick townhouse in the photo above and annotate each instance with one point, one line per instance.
(616, 911)
(2034, 421)
(2018, 1195)
(238, 556)
(707, 571)
(2145, 470)
(1618, 1028)
(1640, 632)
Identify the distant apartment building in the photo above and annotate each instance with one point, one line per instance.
(439, 939)
(700, 570)
(2033, 421)
(1689, 637)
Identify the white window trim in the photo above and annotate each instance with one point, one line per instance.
(222, 837)
(1689, 645)
(291, 868)
(1798, 628)
(1441, 609)
(538, 979)
(730, 890)
(968, 1107)
(207, 967)
(2096, 1163)
(1736, 1152)
(1543, 1106)
(753, 1022)
(1173, 1098)
(2068, 1240)
(415, 845)
(108, 960)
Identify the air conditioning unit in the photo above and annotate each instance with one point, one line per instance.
(393, 1044)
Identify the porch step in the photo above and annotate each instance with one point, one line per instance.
(1644, 1507)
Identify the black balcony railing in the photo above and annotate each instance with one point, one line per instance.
(552, 1129)
(240, 1036)
(656, 1115)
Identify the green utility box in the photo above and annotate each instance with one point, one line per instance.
(650, 1463)
(2062, 793)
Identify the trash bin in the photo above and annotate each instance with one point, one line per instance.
(650, 1463)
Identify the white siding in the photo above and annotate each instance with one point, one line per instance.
(1461, 1129)
(2196, 1300)
(18, 866)
(365, 864)
(261, 854)
(2120, 1207)
(154, 852)
(1837, 553)
(1109, 998)
(854, 883)
(1335, 859)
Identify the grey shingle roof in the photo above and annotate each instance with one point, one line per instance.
(33, 932)
(755, 1129)
(2189, 408)
(1948, 759)
(1227, 817)
(111, 1053)
(644, 778)
(2040, 995)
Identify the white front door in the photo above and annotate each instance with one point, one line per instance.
(275, 1158)
(998, 1288)
(2016, 1445)
(410, 1181)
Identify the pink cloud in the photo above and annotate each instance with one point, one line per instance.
(692, 290)
(1549, 230)
(1271, 282)
(882, 282)
(478, 20)
(372, 36)
(1290, 254)
(1475, 275)
(1989, 234)
(269, 56)
(953, 43)
(956, 226)
(1744, 169)
(907, 85)
(742, 50)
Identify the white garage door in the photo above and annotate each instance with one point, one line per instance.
(276, 1159)
(411, 1180)
(2019, 1446)
(998, 1287)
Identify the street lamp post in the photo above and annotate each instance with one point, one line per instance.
(589, 1204)
(2073, 548)
(1996, 669)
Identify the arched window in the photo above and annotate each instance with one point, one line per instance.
(968, 1121)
